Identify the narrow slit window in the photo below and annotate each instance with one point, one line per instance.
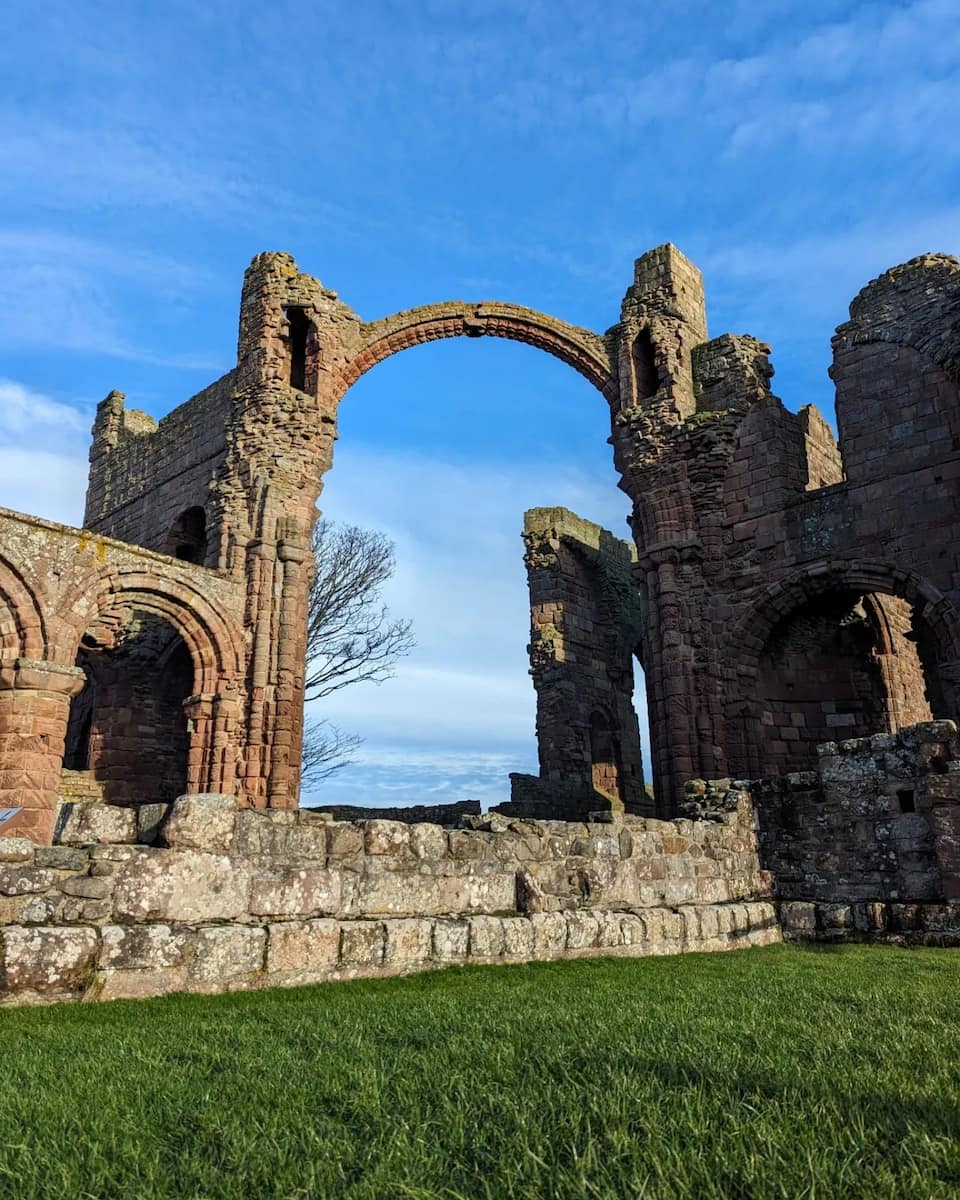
(299, 332)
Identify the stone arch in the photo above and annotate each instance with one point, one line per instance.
(212, 640)
(749, 637)
(23, 631)
(215, 643)
(581, 349)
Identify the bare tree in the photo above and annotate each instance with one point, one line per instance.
(326, 748)
(350, 635)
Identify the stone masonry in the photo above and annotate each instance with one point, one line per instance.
(782, 589)
(231, 899)
(792, 598)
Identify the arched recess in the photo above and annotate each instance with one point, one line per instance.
(902, 612)
(581, 349)
(22, 626)
(187, 539)
(188, 656)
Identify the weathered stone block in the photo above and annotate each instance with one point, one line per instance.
(344, 840)
(582, 930)
(201, 822)
(798, 917)
(486, 937)
(227, 954)
(63, 858)
(47, 960)
(549, 932)
(87, 887)
(141, 984)
(145, 947)
(451, 940)
(24, 880)
(836, 916)
(362, 943)
(303, 951)
(181, 885)
(609, 929)
(17, 850)
(387, 837)
(307, 842)
(150, 819)
(517, 937)
(870, 917)
(904, 918)
(408, 941)
(428, 841)
(90, 824)
(632, 931)
(291, 891)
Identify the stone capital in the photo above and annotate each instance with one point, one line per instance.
(35, 675)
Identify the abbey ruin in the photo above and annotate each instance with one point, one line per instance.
(794, 601)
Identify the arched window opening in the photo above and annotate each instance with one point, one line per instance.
(642, 712)
(127, 729)
(645, 373)
(842, 665)
(604, 756)
(187, 539)
(300, 343)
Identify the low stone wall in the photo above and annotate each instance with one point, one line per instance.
(877, 921)
(248, 899)
(877, 822)
(433, 814)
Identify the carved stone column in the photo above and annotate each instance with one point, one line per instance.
(34, 709)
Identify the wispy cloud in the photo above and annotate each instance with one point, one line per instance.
(43, 454)
(65, 292)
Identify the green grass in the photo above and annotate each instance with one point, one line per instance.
(782, 1072)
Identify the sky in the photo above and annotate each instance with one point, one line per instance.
(519, 150)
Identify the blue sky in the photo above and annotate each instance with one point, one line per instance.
(522, 150)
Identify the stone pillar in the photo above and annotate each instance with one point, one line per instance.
(213, 722)
(684, 704)
(34, 709)
(297, 559)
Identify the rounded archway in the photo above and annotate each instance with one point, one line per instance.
(836, 651)
(585, 351)
(163, 665)
(503, 426)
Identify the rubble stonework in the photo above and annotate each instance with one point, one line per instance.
(782, 589)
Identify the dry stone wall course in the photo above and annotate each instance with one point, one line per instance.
(263, 907)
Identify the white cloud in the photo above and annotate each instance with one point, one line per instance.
(24, 411)
(48, 482)
(460, 713)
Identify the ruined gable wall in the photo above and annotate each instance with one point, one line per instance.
(144, 474)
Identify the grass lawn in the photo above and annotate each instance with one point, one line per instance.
(781, 1072)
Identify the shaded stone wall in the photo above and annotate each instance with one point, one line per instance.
(870, 841)
(585, 627)
(245, 899)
